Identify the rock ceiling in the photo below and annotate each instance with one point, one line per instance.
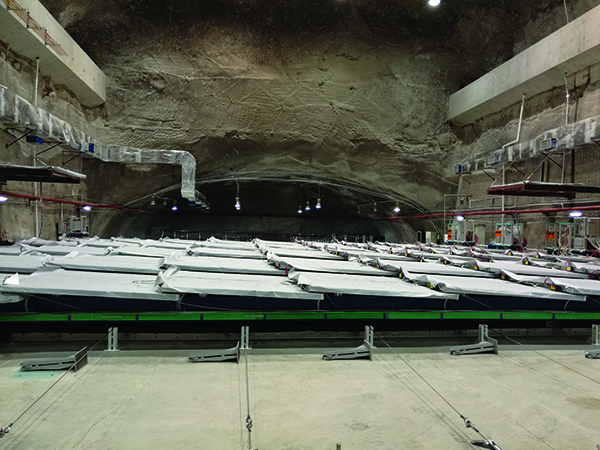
(287, 95)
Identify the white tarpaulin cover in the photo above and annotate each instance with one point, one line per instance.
(490, 286)
(246, 285)
(149, 252)
(434, 268)
(224, 265)
(108, 263)
(570, 285)
(323, 265)
(23, 263)
(361, 285)
(55, 281)
(64, 249)
(522, 269)
(225, 252)
(10, 298)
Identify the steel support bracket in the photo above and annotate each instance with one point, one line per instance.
(75, 362)
(486, 344)
(592, 355)
(216, 355)
(489, 444)
(113, 339)
(362, 351)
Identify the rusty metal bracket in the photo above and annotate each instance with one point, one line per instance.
(18, 139)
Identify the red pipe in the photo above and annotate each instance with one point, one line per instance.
(71, 202)
(493, 213)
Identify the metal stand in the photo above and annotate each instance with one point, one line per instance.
(491, 445)
(245, 338)
(362, 351)
(486, 344)
(226, 354)
(216, 355)
(113, 339)
(75, 362)
(595, 340)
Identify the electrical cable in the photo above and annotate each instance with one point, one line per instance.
(544, 356)
(465, 419)
(6, 429)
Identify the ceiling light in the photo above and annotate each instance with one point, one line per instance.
(174, 207)
(153, 201)
(374, 207)
(575, 213)
(165, 202)
(300, 209)
(3, 198)
(307, 206)
(87, 208)
(460, 218)
(434, 2)
(237, 203)
(318, 205)
(397, 208)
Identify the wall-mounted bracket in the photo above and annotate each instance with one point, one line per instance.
(485, 344)
(28, 132)
(489, 444)
(362, 351)
(75, 362)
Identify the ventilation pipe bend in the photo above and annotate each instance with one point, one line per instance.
(15, 111)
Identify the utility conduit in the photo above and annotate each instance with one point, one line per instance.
(15, 111)
(493, 213)
(71, 202)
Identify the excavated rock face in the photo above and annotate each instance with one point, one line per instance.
(343, 92)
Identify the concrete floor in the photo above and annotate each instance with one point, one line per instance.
(534, 397)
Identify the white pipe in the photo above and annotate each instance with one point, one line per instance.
(567, 109)
(519, 127)
(566, 12)
(37, 79)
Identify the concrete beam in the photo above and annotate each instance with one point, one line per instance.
(539, 68)
(31, 31)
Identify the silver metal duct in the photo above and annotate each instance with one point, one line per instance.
(15, 111)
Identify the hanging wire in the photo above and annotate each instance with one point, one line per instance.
(248, 417)
(6, 429)
(465, 419)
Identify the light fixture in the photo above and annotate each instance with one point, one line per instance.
(3, 198)
(434, 2)
(397, 208)
(318, 205)
(165, 202)
(460, 218)
(237, 196)
(375, 207)
(87, 208)
(237, 203)
(153, 201)
(575, 213)
(174, 207)
(300, 209)
(307, 207)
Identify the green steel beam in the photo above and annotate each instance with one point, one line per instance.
(300, 315)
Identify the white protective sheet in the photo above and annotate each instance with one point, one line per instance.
(490, 286)
(9, 298)
(226, 253)
(54, 281)
(65, 249)
(433, 268)
(108, 263)
(10, 250)
(148, 252)
(531, 269)
(23, 263)
(244, 285)
(218, 243)
(361, 285)
(301, 252)
(224, 265)
(323, 265)
(570, 285)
